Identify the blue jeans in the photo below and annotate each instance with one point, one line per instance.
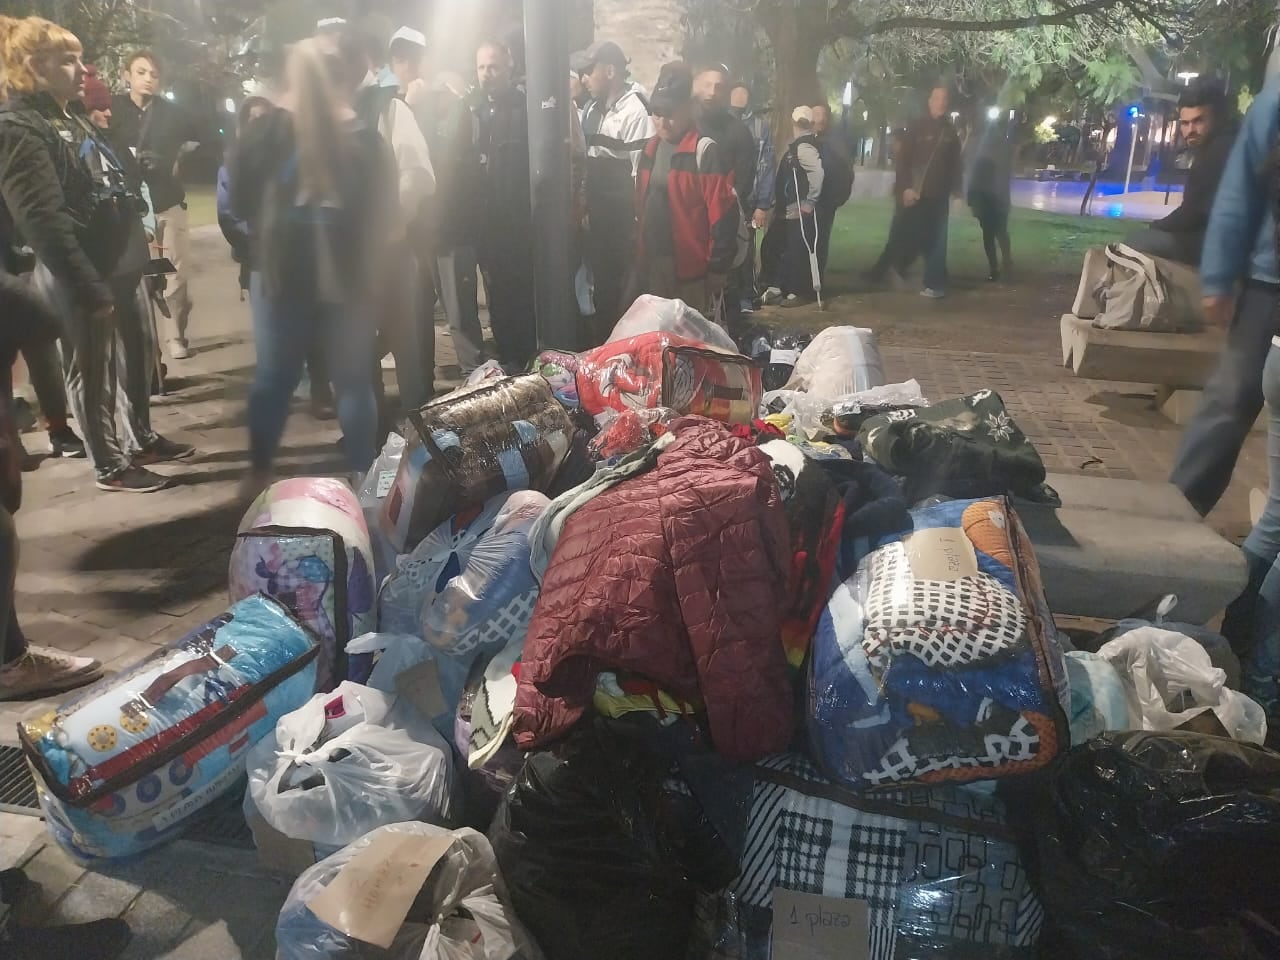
(283, 330)
(1252, 623)
(935, 255)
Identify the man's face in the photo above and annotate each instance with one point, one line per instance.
(672, 128)
(599, 80)
(261, 110)
(1196, 124)
(493, 69)
(143, 77)
(63, 74)
(821, 119)
(740, 98)
(939, 101)
(406, 69)
(100, 118)
(711, 89)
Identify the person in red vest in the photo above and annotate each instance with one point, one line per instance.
(688, 214)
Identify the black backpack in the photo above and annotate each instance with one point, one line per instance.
(837, 174)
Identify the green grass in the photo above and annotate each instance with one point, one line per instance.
(202, 205)
(1042, 242)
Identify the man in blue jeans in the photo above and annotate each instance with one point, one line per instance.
(1240, 283)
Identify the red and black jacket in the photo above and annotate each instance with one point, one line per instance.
(705, 215)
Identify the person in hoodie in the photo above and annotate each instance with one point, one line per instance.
(794, 232)
(688, 213)
(766, 166)
(622, 128)
(74, 203)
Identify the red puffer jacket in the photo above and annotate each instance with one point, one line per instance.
(679, 574)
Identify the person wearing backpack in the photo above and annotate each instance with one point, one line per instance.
(785, 253)
(837, 180)
(317, 188)
(688, 214)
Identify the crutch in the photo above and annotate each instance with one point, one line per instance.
(814, 270)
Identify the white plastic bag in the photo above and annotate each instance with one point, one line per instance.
(397, 652)
(1169, 680)
(839, 361)
(461, 913)
(650, 314)
(348, 762)
(377, 483)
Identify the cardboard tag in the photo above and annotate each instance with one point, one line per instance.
(420, 685)
(372, 894)
(941, 553)
(810, 927)
(786, 358)
(386, 480)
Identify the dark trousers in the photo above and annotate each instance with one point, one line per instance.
(993, 218)
(508, 282)
(1231, 402)
(918, 232)
(892, 244)
(610, 249)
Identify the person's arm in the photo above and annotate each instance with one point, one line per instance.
(723, 212)
(417, 178)
(766, 171)
(902, 161)
(1192, 215)
(635, 131)
(1240, 205)
(744, 162)
(31, 192)
(250, 168)
(811, 162)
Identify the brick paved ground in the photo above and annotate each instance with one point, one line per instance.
(115, 576)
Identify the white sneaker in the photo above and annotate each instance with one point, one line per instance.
(771, 296)
(42, 671)
(932, 294)
(179, 350)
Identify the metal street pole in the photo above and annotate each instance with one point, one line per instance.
(1133, 144)
(546, 46)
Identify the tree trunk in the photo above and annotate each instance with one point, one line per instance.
(798, 38)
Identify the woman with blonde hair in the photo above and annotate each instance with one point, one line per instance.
(316, 189)
(74, 203)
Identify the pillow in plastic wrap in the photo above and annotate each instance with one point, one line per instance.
(304, 542)
(474, 444)
(650, 314)
(125, 765)
(461, 911)
(839, 361)
(467, 588)
(346, 763)
(938, 869)
(938, 660)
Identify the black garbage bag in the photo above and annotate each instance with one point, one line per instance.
(604, 852)
(1161, 846)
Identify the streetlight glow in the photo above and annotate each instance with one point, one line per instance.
(1049, 122)
(230, 105)
(848, 94)
(168, 95)
(993, 113)
(1186, 76)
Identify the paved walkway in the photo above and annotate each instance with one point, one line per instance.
(114, 576)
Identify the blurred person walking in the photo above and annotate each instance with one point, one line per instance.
(989, 198)
(622, 129)
(792, 237)
(160, 135)
(74, 202)
(837, 180)
(765, 180)
(317, 187)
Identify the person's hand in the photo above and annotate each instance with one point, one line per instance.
(910, 197)
(806, 209)
(416, 92)
(1218, 311)
(716, 283)
(760, 219)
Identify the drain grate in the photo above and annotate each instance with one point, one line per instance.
(17, 789)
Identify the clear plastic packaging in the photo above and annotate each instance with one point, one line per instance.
(937, 661)
(470, 446)
(381, 657)
(126, 763)
(839, 361)
(347, 762)
(304, 541)
(1098, 701)
(628, 432)
(460, 913)
(489, 370)
(650, 314)
(378, 481)
(1170, 681)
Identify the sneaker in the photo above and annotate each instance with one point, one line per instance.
(133, 479)
(14, 886)
(63, 442)
(771, 296)
(99, 940)
(161, 450)
(747, 307)
(42, 671)
(179, 350)
(932, 294)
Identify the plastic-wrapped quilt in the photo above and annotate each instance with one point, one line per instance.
(408, 891)
(470, 446)
(304, 542)
(124, 765)
(937, 661)
(837, 362)
(650, 314)
(937, 867)
(467, 589)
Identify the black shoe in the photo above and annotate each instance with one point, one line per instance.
(133, 480)
(63, 442)
(161, 450)
(322, 407)
(99, 940)
(14, 886)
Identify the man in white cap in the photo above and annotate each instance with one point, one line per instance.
(785, 253)
(613, 156)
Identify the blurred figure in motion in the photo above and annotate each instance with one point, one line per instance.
(76, 204)
(785, 254)
(837, 179)
(688, 213)
(989, 198)
(317, 188)
(234, 230)
(762, 202)
(504, 219)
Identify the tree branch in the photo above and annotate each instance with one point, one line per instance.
(1064, 16)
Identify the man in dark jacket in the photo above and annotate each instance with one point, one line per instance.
(837, 184)
(927, 173)
(1205, 125)
(504, 220)
(688, 213)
